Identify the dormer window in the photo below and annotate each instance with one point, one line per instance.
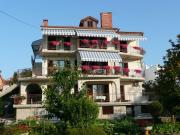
(90, 24)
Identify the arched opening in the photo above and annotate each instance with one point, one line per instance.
(34, 94)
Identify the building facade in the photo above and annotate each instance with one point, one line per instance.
(150, 72)
(110, 61)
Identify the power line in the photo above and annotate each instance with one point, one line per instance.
(19, 20)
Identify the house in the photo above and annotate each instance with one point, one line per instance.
(110, 61)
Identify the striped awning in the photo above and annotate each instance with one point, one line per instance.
(58, 31)
(100, 56)
(130, 37)
(96, 33)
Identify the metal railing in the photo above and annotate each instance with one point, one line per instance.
(34, 99)
(61, 46)
(106, 97)
(27, 72)
(127, 73)
(132, 50)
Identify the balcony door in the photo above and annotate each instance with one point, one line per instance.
(101, 92)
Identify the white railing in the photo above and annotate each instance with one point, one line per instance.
(106, 97)
(136, 73)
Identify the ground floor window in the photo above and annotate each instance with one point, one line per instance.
(129, 110)
(107, 110)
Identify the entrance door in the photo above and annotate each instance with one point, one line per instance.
(122, 93)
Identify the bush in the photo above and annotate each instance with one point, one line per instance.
(32, 127)
(126, 126)
(86, 131)
(44, 128)
(155, 108)
(166, 128)
(107, 125)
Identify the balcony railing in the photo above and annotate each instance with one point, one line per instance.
(100, 97)
(27, 72)
(34, 99)
(57, 45)
(135, 50)
(106, 97)
(107, 70)
(94, 44)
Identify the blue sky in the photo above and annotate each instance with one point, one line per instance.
(158, 19)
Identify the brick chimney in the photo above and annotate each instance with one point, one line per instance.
(45, 22)
(106, 20)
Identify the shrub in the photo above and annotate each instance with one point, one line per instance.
(44, 128)
(126, 126)
(2, 123)
(107, 126)
(155, 108)
(166, 128)
(85, 131)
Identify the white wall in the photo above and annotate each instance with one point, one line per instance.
(150, 73)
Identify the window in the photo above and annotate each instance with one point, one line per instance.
(90, 24)
(130, 110)
(107, 110)
(61, 63)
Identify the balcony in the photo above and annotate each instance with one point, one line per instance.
(93, 44)
(27, 72)
(113, 99)
(34, 99)
(103, 97)
(57, 48)
(111, 70)
(130, 52)
(58, 45)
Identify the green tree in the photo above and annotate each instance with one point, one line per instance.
(155, 108)
(167, 85)
(74, 108)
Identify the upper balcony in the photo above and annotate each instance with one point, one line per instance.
(93, 43)
(111, 71)
(22, 73)
(130, 53)
(56, 46)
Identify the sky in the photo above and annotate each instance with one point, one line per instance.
(158, 19)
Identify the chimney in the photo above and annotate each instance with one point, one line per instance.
(106, 20)
(45, 22)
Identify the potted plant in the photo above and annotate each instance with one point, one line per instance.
(138, 71)
(55, 43)
(67, 44)
(104, 44)
(117, 69)
(85, 41)
(115, 42)
(107, 68)
(18, 99)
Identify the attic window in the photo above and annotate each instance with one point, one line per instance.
(90, 24)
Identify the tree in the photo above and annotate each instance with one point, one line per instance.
(75, 108)
(167, 85)
(155, 108)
